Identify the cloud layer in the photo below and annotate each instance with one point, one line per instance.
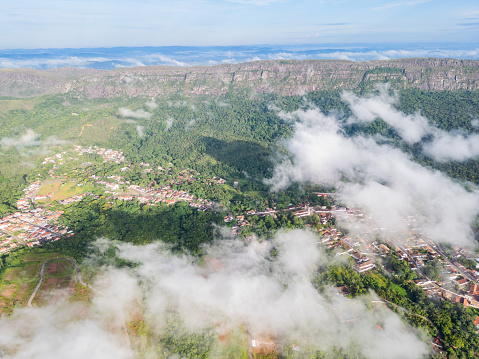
(443, 146)
(237, 286)
(193, 56)
(125, 112)
(29, 143)
(381, 180)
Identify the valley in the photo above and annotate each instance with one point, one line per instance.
(262, 184)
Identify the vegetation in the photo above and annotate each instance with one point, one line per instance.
(232, 136)
(452, 323)
(180, 225)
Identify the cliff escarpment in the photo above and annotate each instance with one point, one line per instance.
(282, 77)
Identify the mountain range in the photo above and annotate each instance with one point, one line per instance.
(284, 77)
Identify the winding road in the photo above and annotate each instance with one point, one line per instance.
(40, 279)
(80, 280)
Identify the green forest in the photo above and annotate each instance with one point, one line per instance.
(234, 136)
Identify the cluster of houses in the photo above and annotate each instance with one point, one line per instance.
(455, 279)
(33, 227)
(59, 159)
(37, 226)
(73, 199)
(416, 251)
(166, 195)
(24, 203)
(7, 243)
(240, 222)
(107, 154)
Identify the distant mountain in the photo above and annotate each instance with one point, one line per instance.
(285, 77)
(112, 58)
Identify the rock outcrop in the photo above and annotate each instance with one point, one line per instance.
(282, 77)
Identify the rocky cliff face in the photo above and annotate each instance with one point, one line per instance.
(282, 77)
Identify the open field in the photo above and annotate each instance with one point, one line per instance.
(61, 190)
(258, 194)
(9, 105)
(18, 281)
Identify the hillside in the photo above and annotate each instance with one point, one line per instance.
(247, 179)
(281, 77)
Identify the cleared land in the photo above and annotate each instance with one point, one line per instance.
(58, 275)
(18, 281)
(61, 190)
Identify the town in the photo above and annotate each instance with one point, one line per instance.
(65, 179)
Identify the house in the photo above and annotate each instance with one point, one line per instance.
(304, 212)
(343, 290)
(473, 289)
(384, 248)
(357, 256)
(462, 281)
(363, 265)
(476, 322)
(422, 282)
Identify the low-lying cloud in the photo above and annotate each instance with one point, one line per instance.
(29, 143)
(140, 130)
(237, 286)
(151, 104)
(193, 56)
(126, 112)
(29, 139)
(457, 146)
(380, 180)
(168, 123)
(443, 146)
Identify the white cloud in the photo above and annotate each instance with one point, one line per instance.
(151, 104)
(269, 296)
(381, 180)
(140, 130)
(453, 147)
(191, 123)
(29, 143)
(215, 56)
(444, 146)
(169, 123)
(167, 60)
(366, 109)
(74, 330)
(283, 303)
(125, 112)
(29, 139)
(50, 63)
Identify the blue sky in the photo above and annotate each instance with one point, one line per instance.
(109, 23)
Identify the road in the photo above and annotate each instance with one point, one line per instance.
(18, 239)
(40, 279)
(80, 280)
(451, 263)
(38, 226)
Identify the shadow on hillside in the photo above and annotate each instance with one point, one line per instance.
(243, 156)
(180, 226)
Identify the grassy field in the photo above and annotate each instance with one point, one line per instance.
(57, 275)
(19, 280)
(9, 105)
(61, 190)
(256, 194)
